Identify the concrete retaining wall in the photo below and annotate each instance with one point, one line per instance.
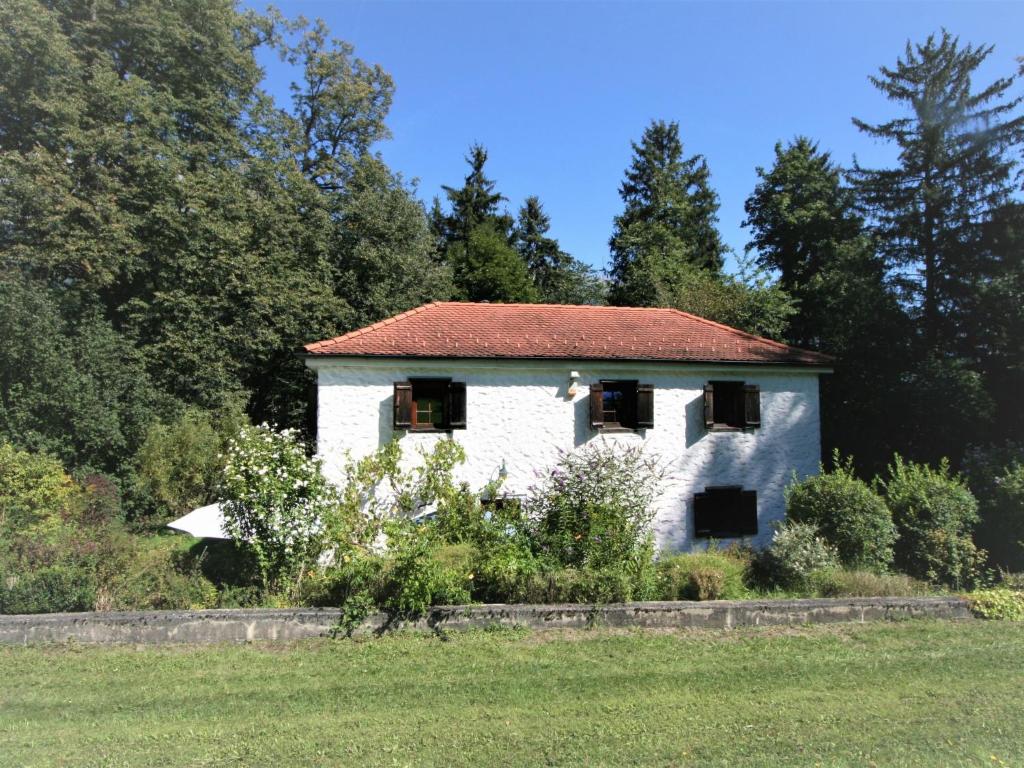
(243, 625)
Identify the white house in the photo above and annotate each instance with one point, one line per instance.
(731, 416)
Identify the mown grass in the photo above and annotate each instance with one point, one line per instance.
(908, 694)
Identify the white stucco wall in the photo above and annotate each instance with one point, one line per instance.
(518, 413)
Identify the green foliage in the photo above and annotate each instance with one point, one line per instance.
(668, 222)
(594, 508)
(159, 577)
(277, 503)
(955, 168)
(847, 512)
(487, 268)
(750, 302)
(1004, 604)
(36, 496)
(934, 513)
(557, 276)
(796, 552)
(181, 464)
(843, 582)
(995, 475)
(52, 589)
(420, 574)
(84, 396)
(384, 254)
(710, 575)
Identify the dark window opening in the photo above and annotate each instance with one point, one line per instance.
(430, 405)
(621, 405)
(618, 399)
(731, 405)
(725, 512)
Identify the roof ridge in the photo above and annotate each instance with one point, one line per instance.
(375, 326)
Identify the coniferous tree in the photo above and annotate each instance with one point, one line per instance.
(669, 220)
(476, 239)
(930, 211)
(557, 276)
(805, 226)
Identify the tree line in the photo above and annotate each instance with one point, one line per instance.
(170, 235)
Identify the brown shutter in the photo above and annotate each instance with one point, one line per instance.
(457, 404)
(709, 405)
(596, 405)
(403, 405)
(645, 405)
(751, 405)
(748, 516)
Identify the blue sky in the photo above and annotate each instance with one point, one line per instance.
(556, 91)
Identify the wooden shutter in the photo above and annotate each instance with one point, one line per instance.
(748, 514)
(596, 405)
(751, 405)
(403, 405)
(645, 405)
(457, 404)
(709, 405)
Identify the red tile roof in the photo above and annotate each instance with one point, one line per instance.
(562, 332)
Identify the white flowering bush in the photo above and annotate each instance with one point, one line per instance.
(797, 551)
(277, 502)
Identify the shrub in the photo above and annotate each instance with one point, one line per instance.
(998, 603)
(36, 496)
(418, 575)
(996, 477)
(848, 513)
(52, 589)
(841, 582)
(588, 585)
(934, 513)
(277, 503)
(595, 507)
(180, 464)
(159, 577)
(796, 551)
(710, 575)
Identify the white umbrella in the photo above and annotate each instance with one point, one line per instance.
(203, 523)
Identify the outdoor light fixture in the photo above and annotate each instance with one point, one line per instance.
(573, 377)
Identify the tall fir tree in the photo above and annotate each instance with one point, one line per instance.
(557, 276)
(955, 169)
(669, 220)
(476, 239)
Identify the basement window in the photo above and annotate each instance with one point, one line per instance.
(725, 512)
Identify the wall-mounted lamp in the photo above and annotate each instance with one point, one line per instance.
(573, 378)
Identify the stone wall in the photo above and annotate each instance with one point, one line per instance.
(520, 417)
(246, 625)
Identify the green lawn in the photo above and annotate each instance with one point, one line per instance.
(914, 693)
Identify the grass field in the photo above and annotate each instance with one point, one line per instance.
(908, 694)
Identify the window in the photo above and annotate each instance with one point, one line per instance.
(430, 405)
(725, 512)
(621, 405)
(731, 405)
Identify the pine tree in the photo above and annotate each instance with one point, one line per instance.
(476, 239)
(930, 211)
(557, 276)
(669, 220)
(474, 203)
